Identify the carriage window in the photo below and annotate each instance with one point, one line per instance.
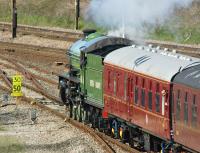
(125, 87)
(130, 88)
(109, 80)
(186, 108)
(117, 78)
(157, 102)
(143, 98)
(157, 96)
(150, 96)
(186, 96)
(157, 87)
(194, 112)
(179, 94)
(136, 80)
(115, 84)
(150, 85)
(136, 95)
(178, 105)
(143, 83)
(150, 100)
(143, 93)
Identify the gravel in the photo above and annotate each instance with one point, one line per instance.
(48, 134)
(33, 40)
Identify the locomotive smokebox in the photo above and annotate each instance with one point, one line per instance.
(87, 32)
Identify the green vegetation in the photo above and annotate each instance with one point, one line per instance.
(52, 13)
(1, 128)
(184, 27)
(10, 145)
(182, 35)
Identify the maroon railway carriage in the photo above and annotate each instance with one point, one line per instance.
(141, 105)
(186, 108)
(137, 85)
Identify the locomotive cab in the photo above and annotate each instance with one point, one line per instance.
(83, 82)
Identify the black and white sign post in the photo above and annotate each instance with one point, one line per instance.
(77, 13)
(14, 19)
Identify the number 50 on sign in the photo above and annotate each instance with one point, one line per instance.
(17, 86)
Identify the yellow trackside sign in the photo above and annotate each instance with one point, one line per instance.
(16, 86)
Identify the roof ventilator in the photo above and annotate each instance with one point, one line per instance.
(154, 51)
(158, 48)
(87, 32)
(148, 49)
(164, 53)
(141, 47)
(166, 49)
(150, 45)
(133, 46)
(174, 51)
(183, 58)
(172, 55)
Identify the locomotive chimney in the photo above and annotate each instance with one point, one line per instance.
(87, 32)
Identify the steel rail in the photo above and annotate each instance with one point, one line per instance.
(14, 46)
(82, 127)
(30, 66)
(125, 147)
(29, 76)
(48, 53)
(179, 48)
(97, 135)
(50, 33)
(5, 78)
(100, 136)
(34, 75)
(61, 34)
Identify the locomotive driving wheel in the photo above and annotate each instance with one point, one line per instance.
(84, 114)
(68, 111)
(74, 112)
(79, 113)
(63, 92)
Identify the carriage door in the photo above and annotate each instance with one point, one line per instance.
(130, 96)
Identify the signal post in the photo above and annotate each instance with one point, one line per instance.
(14, 19)
(77, 13)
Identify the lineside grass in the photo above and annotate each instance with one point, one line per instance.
(1, 128)
(184, 27)
(10, 144)
(181, 35)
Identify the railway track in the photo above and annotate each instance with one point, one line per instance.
(73, 35)
(33, 78)
(60, 53)
(17, 66)
(78, 125)
(103, 140)
(33, 52)
(179, 48)
(50, 33)
(12, 47)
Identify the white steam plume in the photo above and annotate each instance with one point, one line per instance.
(132, 17)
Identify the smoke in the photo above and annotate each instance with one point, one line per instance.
(134, 18)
